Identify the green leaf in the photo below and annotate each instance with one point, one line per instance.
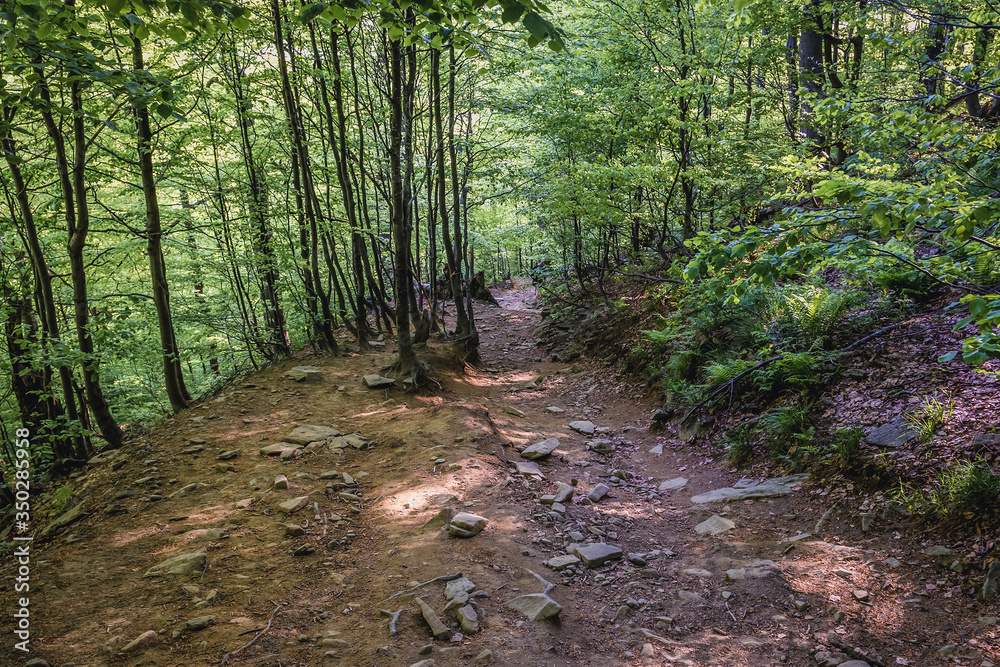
(536, 25)
(513, 13)
(177, 33)
(311, 12)
(165, 110)
(945, 358)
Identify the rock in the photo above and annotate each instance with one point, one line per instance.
(375, 381)
(465, 524)
(598, 493)
(438, 629)
(303, 435)
(540, 450)
(658, 449)
(714, 525)
(992, 582)
(601, 446)
(302, 373)
(36, 662)
(674, 484)
(64, 519)
(698, 572)
(468, 620)
(562, 562)
(988, 620)
(893, 562)
(424, 663)
(460, 600)
(769, 488)
(736, 574)
(184, 564)
(585, 427)
(596, 555)
(280, 482)
(484, 658)
(893, 434)
(830, 659)
(293, 504)
(946, 650)
(293, 530)
(564, 493)
(462, 585)
(529, 468)
(441, 519)
(855, 663)
(143, 640)
(199, 622)
(537, 606)
(861, 595)
(648, 651)
(801, 605)
(554, 409)
(228, 454)
(511, 410)
(279, 449)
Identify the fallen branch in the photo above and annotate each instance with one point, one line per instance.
(548, 586)
(393, 620)
(410, 591)
(226, 657)
(822, 519)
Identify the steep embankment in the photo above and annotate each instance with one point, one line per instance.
(295, 555)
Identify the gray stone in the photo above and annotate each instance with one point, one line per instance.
(424, 663)
(674, 484)
(895, 433)
(69, 516)
(830, 659)
(228, 454)
(855, 663)
(460, 600)
(468, 619)
(992, 582)
(598, 492)
(183, 564)
(861, 595)
(714, 525)
(484, 658)
(36, 662)
(375, 381)
(562, 562)
(303, 435)
(946, 650)
(585, 427)
(554, 409)
(453, 588)
(279, 449)
(511, 410)
(564, 493)
(438, 629)
(465, 524)
(529, 468)
(596, 555)
(769, 488)
(143, 640)
(537, 606)
(281, 482)
(293, 504)
(302, 373)
(441, 519)
(540, 450)
(293, 530)
(199, 622)
(893, 562)
(601, 446)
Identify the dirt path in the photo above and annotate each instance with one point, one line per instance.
(313, 593)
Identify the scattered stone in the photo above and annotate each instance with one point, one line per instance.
(736, 574)
(293, 504)
(598, 492)
(307, 433)
(468, 620)
(601, 446)
(895, 433)
(279, 449)
(658, 449)
(423, 663)
(843, 574)
(564, 493)
(280, 482)
(769, 488)
(228, 454)
(293, 530)
(194, 449)
(554, 409)
(465, 524)
(585, 427)
(184, 564)
(675, 484)
(36, 662)
(438, 629)
(537, 606)
(143, 640)
(992, 583)
(714, 525)
(946, 650)
(302, 373)
(199, 622)
(861, 595)
(647, 651)
(562, 562)
(596, 555)
(893, 562)
(461, 585)
(855, 663)
(540, 450)
(441, 519)
(484, 658)
(529, 468)
(375, 381)
(64, 519)
(831, 659)
(988, 620)
(511, 410)
(801, 605)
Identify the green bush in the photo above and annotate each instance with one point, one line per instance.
(806, 317)
(786, 429)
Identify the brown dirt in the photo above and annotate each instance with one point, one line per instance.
(89, 596)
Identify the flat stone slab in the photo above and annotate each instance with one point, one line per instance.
(714, 525)
(465, 524)
(461, 585)
(769, 488)
(291, 505)
(537, 606)
(554, 409)
(564, 493)
(529, 468)
(541, 449)
(893, 434)
(598, 492)
(585, 427)
(562, 562)
(303, 435)
(674, 484)
(302, 373)
(438, 629)
(64, 519)
(278, 448)
(375, 381)
(596, 555)
(193, 563)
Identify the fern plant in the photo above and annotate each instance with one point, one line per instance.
(808, 316)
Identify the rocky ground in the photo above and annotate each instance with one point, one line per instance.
(521, 514)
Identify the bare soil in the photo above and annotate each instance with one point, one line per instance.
(451, 447)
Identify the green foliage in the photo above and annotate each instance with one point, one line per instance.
(807, 317)
(797, 371)
(931, 415)
(969, 486)
(786, 429)
(846, 442)
(59, 498)
(720, 372)
(739, 443)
